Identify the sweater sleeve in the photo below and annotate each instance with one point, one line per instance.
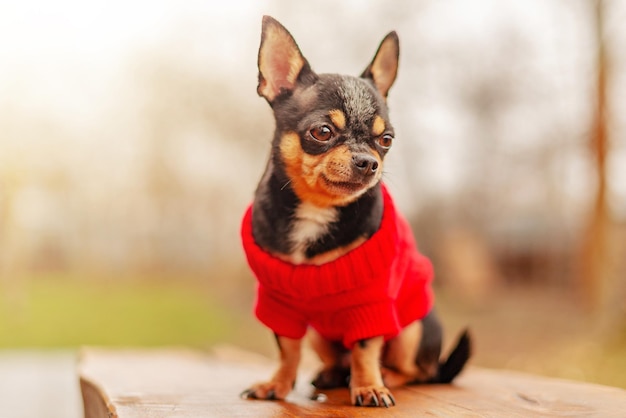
(279, 316)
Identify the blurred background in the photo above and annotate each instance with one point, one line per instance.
(132, 138)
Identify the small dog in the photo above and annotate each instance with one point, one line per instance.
(330, 252)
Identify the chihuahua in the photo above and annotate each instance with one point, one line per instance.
(332, 256)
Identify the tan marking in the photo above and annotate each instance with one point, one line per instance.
(365, 374)
(365, 362)
(331, 354)
(338, 118)
(338, 163)
(284, 378)
(307, 173)
(291, 151)
(378, 127)
(399, 357)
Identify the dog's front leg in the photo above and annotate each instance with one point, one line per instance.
(284, 379)
(366, 382)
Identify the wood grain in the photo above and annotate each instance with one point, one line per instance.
(182, 384)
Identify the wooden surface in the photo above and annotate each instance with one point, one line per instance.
(180, 383)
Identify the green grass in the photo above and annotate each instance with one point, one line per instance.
(536, 332)
(60, 312)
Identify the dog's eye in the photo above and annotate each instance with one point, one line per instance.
(385, 140)
(321, 133)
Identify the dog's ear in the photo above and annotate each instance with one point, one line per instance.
(384, 67)
(281, 63)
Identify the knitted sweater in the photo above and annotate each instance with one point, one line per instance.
(376, 289)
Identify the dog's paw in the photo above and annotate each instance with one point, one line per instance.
(273, 390)
(336, 377)
(372, 396)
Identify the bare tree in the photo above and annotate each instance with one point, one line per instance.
(594, 260)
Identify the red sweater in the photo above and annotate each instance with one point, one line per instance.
(376, 289)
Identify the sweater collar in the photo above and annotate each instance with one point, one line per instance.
(370, 261)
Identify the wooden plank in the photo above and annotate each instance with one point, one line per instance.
(182, 384)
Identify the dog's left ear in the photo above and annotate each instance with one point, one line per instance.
(281, 64)
(384, 67)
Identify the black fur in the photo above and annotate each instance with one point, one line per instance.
(360, 218)
(274, 207)
(455, 362)
(275, 201)
(429, 350)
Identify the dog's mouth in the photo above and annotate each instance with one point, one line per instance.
(344, 187)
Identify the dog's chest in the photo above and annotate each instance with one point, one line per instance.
(310, 223)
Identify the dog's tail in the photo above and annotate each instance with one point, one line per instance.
(455, 362)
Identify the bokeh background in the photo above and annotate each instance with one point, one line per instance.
(132, 138)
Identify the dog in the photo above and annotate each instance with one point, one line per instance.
(332, 256)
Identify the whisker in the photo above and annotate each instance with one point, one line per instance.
(285, 185)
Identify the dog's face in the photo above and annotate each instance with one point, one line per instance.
(332, 131)
(333, 145)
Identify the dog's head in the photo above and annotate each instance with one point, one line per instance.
(332, 131)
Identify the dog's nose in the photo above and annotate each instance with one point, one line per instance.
(365, 163)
